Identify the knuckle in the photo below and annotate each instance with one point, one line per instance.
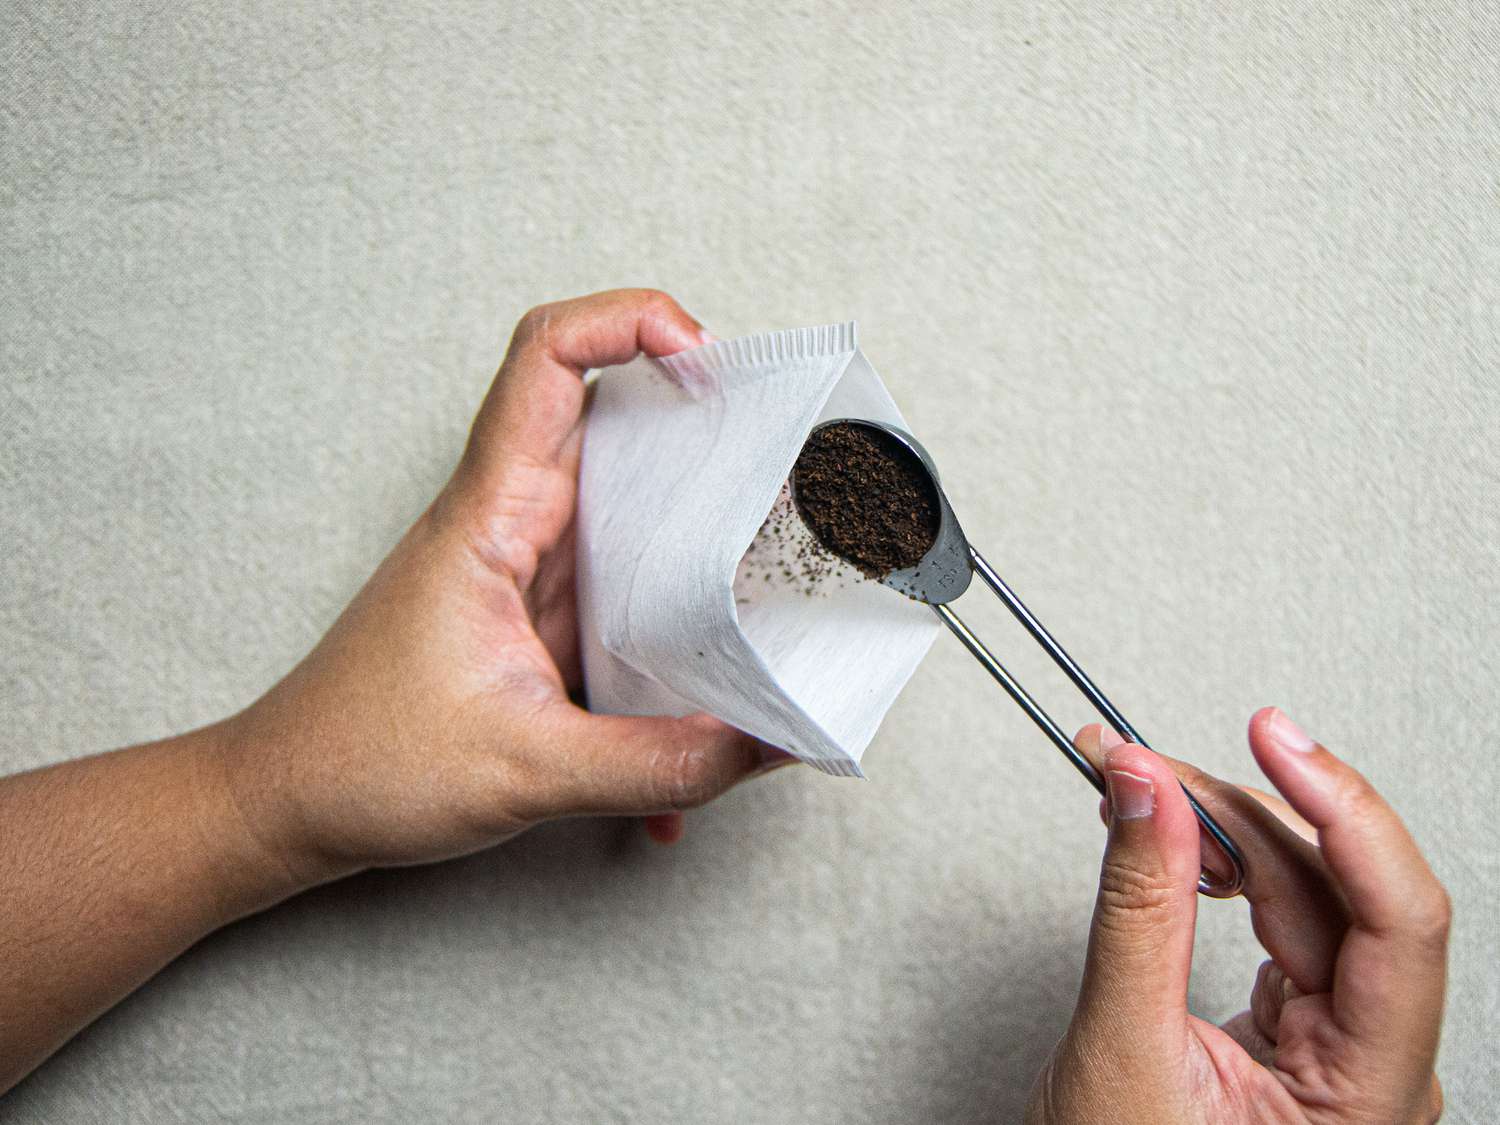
(657, 307)
(1431, 916)
(1265, 977)
(687, 779)
(655, 301)
(528, 778)
(1125, 891)
(1268, 980)
(1356, 799)
(533, 323)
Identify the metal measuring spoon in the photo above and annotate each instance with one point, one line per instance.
(946, 571)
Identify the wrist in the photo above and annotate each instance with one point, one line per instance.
(258, 823)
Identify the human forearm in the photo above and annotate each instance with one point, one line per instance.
(434, 719)
(110, 866)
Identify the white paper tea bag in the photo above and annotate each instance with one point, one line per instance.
(690, 598)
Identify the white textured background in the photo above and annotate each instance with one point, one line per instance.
(1197, 308)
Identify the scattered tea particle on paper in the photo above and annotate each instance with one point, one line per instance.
(784, 555)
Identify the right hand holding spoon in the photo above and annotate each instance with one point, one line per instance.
(1344, 1018)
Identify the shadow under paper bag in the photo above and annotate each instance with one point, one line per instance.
(683, 460)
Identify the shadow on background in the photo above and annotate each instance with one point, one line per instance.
(937, 1028)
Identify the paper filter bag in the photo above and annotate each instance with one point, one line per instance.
(684, 458)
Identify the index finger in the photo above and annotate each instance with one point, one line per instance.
(537, 396)
(1296, 907)
(1392, 969)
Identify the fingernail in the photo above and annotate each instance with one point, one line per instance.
(1288, 735)
(1130, 797)
(707, 337)
(1109, 739)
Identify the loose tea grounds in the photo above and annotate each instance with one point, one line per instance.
(786, 554)
(866, 498)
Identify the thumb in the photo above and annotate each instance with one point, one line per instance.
(1134, 993)
(638, 765)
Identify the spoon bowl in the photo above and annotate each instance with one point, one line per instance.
(945, 571)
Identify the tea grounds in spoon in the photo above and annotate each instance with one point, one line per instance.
(866, 497)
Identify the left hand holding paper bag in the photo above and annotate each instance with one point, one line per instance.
(434, 719)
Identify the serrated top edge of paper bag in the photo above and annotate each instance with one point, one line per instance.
(697, 370)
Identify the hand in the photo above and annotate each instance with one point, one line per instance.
(1344, 1018)
(434, 718)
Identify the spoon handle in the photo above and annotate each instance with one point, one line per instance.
(1209, 883)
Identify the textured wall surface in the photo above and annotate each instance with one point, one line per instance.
(1197, 308)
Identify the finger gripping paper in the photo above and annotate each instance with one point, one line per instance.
(698, 588)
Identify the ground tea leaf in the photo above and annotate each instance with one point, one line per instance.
(866, 498)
